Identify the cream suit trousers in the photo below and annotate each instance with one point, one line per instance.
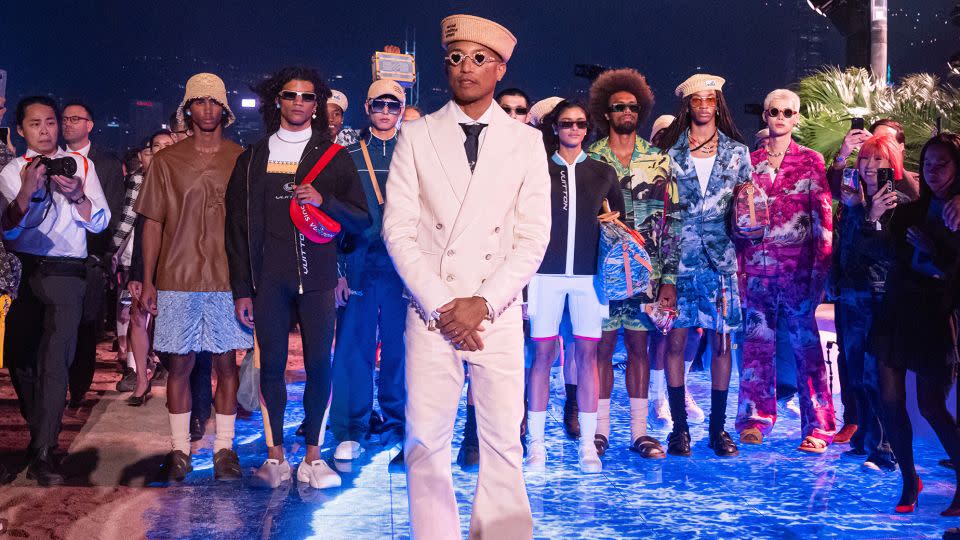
(435, 378)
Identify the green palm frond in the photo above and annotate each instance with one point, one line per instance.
(831, 97)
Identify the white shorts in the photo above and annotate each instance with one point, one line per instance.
(546, 297)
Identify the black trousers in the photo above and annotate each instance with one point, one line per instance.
(40, 343)
(91, 328)
(274, 306)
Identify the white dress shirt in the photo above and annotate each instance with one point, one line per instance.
(462, 118)
(85, 151)
(54, 227)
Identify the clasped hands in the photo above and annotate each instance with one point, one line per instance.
(460, 322)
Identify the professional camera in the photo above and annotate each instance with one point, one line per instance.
(65, 166)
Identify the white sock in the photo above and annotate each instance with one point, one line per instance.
(658, 386)
(588, 426)
(122, 328)
(536, 421)
(603, 417)
(638, 418)
(131, 362)
(180, 432)
(224, 437)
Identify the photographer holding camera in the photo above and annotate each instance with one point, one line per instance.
(51, 198)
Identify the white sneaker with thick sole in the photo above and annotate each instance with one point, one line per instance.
(536, 456)
(694, 412)
(318, 474)
(660, 413)
(273, 473)
(589, 460)
(348, 450)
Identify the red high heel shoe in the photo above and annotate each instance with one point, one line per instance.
(909, 508)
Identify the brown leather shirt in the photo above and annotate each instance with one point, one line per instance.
(184, 191)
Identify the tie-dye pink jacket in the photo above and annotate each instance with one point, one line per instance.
(797, 244)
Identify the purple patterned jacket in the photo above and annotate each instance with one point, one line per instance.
(798, 243)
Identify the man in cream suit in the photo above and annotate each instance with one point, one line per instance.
(467, 222)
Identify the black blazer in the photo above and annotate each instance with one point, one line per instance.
(595, 181)
(343, 200)
(110, 173)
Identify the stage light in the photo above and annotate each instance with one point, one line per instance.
(248, 103)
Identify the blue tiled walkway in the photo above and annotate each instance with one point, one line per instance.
(770, 491)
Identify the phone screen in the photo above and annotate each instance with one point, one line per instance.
(851, 179)
(856, 123)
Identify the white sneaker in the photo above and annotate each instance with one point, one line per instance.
(348, 450)
(793, 405)
(318, 474)
(536, 455)
(272, 473)
(694, 412)
(661, 413)
(589, 460)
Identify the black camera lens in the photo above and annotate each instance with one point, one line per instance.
(64, 166)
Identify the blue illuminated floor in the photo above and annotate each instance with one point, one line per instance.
(771, 491)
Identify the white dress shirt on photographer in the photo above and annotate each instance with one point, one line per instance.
(54, 227)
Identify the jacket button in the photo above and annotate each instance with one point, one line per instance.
(488, 256)
(449, 277)
(450, 253)
(439, 226)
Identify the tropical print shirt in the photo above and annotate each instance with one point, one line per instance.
(651, 200)
(798, 242)
(705, 242)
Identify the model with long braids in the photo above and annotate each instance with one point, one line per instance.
(709, 161)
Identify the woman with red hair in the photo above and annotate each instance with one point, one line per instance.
(868, 219)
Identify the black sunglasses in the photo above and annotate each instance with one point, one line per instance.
(290, 95)
(569, 124)
(479, 58)
(384, 105)
(623, 107)
(775, 112)
(519, 110)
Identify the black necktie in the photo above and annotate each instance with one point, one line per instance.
(472, 144)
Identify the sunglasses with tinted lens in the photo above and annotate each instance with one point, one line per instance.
(290, 95)
(519, 110)
(775, 112)
(623, 107)
(384, 105)
(698, 101)
(570, 124)
(479, 58)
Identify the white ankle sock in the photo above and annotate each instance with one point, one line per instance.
(180, 432)
(658, 386)
(536, 421)
(603, 417)
(131, 362)
(588, 426)
(224, 437)
(638, 418)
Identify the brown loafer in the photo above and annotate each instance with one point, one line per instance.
(845, 434)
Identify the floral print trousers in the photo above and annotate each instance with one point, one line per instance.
(765, 299)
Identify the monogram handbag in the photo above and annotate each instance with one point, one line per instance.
(623, 264)
(749, 213)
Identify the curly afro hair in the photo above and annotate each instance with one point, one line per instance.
(619, 80)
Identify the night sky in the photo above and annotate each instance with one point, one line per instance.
(73, 53)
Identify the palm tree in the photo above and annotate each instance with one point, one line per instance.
(831, 97)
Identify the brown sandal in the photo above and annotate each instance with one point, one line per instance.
(648, 448)
(813, 445)
(751, 436)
